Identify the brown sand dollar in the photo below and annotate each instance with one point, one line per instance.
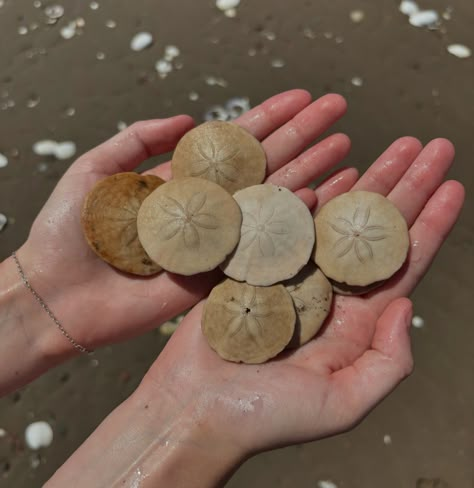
(189, 225)
(221, 152)
(277, 236)
(109, 221)
(361, 238)
(311, 292)
(248, 324)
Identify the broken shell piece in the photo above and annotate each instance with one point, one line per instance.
(189, 225)
(3, 160)
(45, 147)
(109, 220)
(424, 18)
(361, 238)
(65, 150)
(345, 289)
(141, 41)
(221, 152)
(38, 435)
(408, 7)
(248, 324)
(459, 50)
(311, 292)
(277, 236)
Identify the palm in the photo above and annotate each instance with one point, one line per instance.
(80, 288)
(363, 350)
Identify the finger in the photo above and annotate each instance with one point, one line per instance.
(387, 170)
(308, 197)
(426, 236)
(422, 179)
(274, 112)
(306, 126)
(356, 389)
(314, 162)
(126, 150)
(162, 170)
(339, 182)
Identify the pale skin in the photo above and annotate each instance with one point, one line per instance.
(196, 416)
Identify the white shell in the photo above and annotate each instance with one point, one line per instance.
(3, 160)
(171, 52)
(141, 41)
(424, 18)
(68, 31)
(227, 4)
(459, 50)
(408, 7)
(65, 150)
(45, 147)
(326, 484)
(163, 67)
(3, 221)
(38, 434)
(417, 322)
(357, 16)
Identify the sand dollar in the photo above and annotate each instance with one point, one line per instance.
(248, 324)
(189, 225)
(277, 236)
(109, 221)
(221, 152)
(361, 238)
(311, 292)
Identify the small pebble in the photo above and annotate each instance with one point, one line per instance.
(459, 50)
(163, 67)
(94, 5)
(70, 112)
(141, 41)
(231, 13)
(326, 484)
(171, 52)
(3, 221)
(417, 322)
(309, 33)
(68, 31)
(3, 432)
(227, 4)
(424, 18)
(193, 96)
(35, 461)
(43, 167)
(38, 435)
(37, 4)
(65, 150)
(100, 56)
(44, 148)
(277, 63)
(22, 30)
(54, 11)
(357, 16)
(387, 440)
(3, 160)
(357, 81)
(121, 125)
(111, 24)
(33, 101)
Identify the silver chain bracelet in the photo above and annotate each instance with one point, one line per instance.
(45, 307)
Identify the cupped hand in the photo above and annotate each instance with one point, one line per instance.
(363, 350)
(98, 304)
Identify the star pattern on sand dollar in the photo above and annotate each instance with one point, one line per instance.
(185, 220)
(247, 314)
(357, 235)
(215, 164)
(261, 230)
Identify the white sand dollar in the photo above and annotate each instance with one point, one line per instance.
(277, 236)
(189, 225)
(361, 238)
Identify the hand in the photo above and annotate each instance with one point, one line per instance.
(99, 305)
(363, 351)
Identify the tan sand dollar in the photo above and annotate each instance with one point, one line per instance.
(189, 225)
(311, 292)
(109, 221)
(277, 236)
(248, 324)
(221, 152)
(361, 238)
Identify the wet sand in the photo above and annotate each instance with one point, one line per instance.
(410, 86)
